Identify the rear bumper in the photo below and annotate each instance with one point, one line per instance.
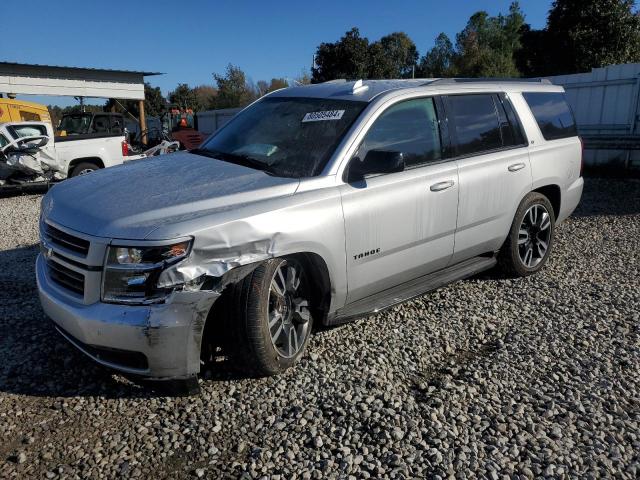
(155, 341)
(570, 199)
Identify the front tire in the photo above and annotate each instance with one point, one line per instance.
(83, 168)
(272, 321)
(531, 236)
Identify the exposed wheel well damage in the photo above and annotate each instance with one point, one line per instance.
(552, 192)
(218, 331)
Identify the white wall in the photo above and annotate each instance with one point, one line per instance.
(605, 101)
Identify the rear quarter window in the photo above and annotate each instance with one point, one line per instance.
(552, 113)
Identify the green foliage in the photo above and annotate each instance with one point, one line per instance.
(263, 87)
(581, 35)
(487, 45)
(233, 89)
(346, 58)
(184, 97)
(393, 56)
(205, 97)
(154, 102)
(438, 62)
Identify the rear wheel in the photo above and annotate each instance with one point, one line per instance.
(273, 321)
(83, 168)
(530, 239)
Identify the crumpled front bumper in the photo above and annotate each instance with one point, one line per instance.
(157, 341)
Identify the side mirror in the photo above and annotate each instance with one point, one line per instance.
(376, 161)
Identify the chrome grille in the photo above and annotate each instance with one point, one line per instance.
(66, 241)
(65, 277)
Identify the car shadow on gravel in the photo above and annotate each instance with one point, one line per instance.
(34, 359)
(606, 196)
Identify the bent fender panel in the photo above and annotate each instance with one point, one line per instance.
(314, 224)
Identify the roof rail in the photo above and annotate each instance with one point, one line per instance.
(336, 80)
(446, 81)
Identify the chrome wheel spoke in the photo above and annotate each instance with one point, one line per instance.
(528, 256)
(523, 236)
(545, 223)
(275, 288)
(275, 317)
(293, 341)
(542, 247)
(533, 214)
(278, 332)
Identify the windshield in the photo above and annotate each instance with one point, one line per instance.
(77, 123)
(287, 137)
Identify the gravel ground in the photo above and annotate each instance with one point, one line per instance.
(489, 377)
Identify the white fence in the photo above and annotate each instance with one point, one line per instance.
(211, 120)
(605, 103)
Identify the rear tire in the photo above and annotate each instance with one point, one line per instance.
(83, 168)
(530, 239)
(272, 320)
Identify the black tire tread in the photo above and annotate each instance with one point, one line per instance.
(508, 260)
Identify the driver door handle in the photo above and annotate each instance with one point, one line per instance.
(438, 187)
(516, 166)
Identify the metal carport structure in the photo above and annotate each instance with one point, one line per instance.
(31, 79)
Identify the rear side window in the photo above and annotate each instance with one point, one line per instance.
(476, 123)
(410, 127)
(552, 113)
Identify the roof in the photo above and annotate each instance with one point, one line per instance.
(353, 90)
(78, 69)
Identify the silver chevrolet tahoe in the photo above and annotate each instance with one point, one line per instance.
(314, 205)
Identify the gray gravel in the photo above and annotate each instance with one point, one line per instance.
(490, 378)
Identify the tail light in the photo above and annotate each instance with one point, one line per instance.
(125, 148)
(581, 155)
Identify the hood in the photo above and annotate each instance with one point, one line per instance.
(132, 200)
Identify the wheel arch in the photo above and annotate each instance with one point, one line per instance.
(216, 327)
(554, 194)
(95, 160)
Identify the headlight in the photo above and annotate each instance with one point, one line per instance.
(131, 273)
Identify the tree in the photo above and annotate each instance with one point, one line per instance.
(154, 102)
(438, 62)
(184, 97)
(393, 56)
(585, 34)
(487, 45)
(205, 97)
(303, 79)
(263, 87)
(233, 89)
(347, 58)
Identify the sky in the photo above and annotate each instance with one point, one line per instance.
(189, 40)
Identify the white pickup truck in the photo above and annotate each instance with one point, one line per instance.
(30, 152)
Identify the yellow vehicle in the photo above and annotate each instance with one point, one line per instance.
(15, 110)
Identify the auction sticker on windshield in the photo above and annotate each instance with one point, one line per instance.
(321, 116)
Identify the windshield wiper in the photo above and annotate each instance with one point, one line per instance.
(244, 160)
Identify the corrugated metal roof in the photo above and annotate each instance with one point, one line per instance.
(85, 69)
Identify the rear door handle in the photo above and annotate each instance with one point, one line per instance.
(516, 166)
(438, 187)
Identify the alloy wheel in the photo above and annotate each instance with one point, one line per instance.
(288, 309)
(534, 235)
